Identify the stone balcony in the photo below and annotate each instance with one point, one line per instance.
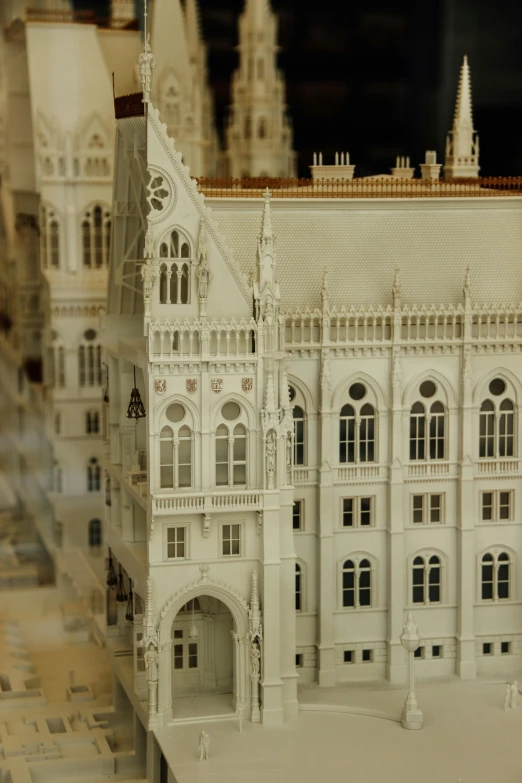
(505, 466)
(211, 502)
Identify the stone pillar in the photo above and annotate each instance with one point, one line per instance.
(327, 571)
(271, 683)
(466, 662)
(395, 665)
(288, 618)
(164, 683)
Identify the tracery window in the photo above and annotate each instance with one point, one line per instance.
(495, 576)
(497, 422)
(426, 579)
(174, 283)
(176, 449)
(357, 583)
(89, 359)
(96, 237)
(49, 238)
(231, 447)
(428, 425)
(357, 428)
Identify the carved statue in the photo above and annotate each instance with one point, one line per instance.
(148, 249)
(255, 657)
(151, 663)
(511, 696)
(146, 66)
(270, 452)
(289, 450)
(204, 745)
(203, 277)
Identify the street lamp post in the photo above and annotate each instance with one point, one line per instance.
(411, 717)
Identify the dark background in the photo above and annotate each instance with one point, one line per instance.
(378, 78)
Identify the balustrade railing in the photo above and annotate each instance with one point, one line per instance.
(428, 469)
(358, 472)
(212, 502)
(496, 467)
(192, 339)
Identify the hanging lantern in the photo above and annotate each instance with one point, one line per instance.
(112, 579)
(129, 614)
(121, 595)
(136, 408)
(193, 632)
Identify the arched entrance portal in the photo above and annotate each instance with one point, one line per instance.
(218, 667)
(202, 648)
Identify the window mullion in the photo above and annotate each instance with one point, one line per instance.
(175, 447)
(231, 461)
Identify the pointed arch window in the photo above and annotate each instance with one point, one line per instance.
(231, 447)
(58, 359)
(96, 237)
(357, 583)
(49, 238)
(357, 429)
(174, 285)
(497, 423)
(427, 431)
(93, 475)
(426, 580)
(495, 577)
(176, 450)
(89, 359)
(299, 435)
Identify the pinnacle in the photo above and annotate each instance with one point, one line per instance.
(193, 25)
(267, 232)
(463, 108)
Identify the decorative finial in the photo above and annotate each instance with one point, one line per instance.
(467, 284)
(324, 289)
(267, 233)
(146, 62)
(396, 288)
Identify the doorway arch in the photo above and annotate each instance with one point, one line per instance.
(240, 650)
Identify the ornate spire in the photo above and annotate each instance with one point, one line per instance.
(324, 290)
(254, 614)
(284, 392)
(462, 143)
(193, 27)
(396, 288)
(202, 243)
(270, 400)
(259, 136)
(146, 63)
(325, 373)
(467, 286)
(267, 231)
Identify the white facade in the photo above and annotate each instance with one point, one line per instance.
(259, 134)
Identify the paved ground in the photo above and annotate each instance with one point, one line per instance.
(467, 736)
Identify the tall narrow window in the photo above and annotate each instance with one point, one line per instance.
(231, 447)
(239, 455)
(298, 588)
(497, 422)
(89, 359)
(92, 422)
(357, 428)
(299, 436)
(222, 456)
(349, 583)
(176, 450)
(49, 239)
(93, 475)
(426, 580)
(175, 272)
(417, 431)
(95, 535)
(495, 577)
(58, 361)
(95, 233)
(437, 431)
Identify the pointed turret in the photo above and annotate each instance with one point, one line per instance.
(122, 13)
(259, 136)
(193, 28)
(462, 146)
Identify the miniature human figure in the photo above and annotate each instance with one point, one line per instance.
(204, 745)
(203, 276)
(240, 708)
(507, 700)
(151, 663)
(270, 452)
(255, 655)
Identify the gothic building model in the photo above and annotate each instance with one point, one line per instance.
(301, 403)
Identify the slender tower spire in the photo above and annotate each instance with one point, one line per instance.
(122, 13)
(462, 146)
(259, 135)
(193, 28)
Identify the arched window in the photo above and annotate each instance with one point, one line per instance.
(175, 274)
(298, 588)
(93, 475)
(261, 128)
(357, 583)
(357, 428)
(95, 535)
(231, 447)
(96, 233)
(495, 577)
(49, 238)
(92, 422)
(58, 360)
(176, 449)
(426, 580)
(299, 435)
(497, 422)
(427, 423)
(89, 359)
